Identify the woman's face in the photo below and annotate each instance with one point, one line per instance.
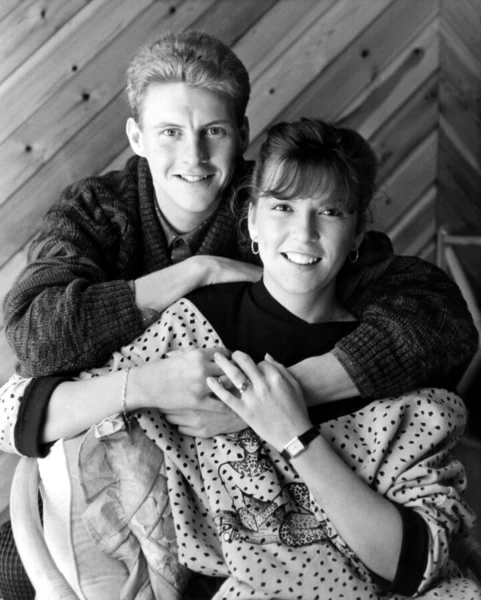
(303, 244)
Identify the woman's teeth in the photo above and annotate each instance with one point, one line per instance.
(193, 178)
(301, 259)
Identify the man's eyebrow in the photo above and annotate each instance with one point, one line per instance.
(217, 122)
(225, 122)
(166, 124)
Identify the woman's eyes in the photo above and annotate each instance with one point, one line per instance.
(281, 208)
(332, 212)
(325, 212)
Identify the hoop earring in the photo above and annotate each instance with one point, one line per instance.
(253, 247)
(354, 255)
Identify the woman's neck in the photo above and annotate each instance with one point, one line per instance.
(311, 308)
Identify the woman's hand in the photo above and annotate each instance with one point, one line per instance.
(269, 399)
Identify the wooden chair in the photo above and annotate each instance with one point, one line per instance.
(47, 580)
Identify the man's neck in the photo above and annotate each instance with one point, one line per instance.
(182, 224)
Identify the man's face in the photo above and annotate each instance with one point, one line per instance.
(191, 140)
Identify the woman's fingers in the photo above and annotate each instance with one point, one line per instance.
(241, 370)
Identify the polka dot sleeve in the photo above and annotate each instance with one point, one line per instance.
(11, 395)
(401, 447)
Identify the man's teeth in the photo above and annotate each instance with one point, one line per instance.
(193, 178)
(302, 259)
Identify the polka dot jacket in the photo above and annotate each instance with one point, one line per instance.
(241, 512)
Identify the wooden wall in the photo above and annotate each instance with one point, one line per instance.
(372, 63)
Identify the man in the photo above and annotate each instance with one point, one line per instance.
(116, 250)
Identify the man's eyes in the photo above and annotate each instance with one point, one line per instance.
(215, 131)
(170, 132)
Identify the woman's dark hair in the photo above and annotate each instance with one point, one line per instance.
(309, 157)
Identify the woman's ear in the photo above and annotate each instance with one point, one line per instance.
(251, 222)
(358, 240)
(134, 134)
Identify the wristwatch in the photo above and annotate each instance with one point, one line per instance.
(297, 445)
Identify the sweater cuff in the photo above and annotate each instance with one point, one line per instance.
(31, 416)
(414, 553)
(413, 558)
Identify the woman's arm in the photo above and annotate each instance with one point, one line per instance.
(173, 384)
(34, 412)
(369, 524)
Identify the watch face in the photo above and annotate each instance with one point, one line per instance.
(295, 447)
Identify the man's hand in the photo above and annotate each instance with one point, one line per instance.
(160, 289)
(210, 418)
(177, 387)
(225, 270)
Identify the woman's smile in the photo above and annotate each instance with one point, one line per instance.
(301, 259)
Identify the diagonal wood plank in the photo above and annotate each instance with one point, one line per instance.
(286, 22)
(35, 82)
(28, 26)
(6, 6)
(415, 119)
(417, 227)
(396, 83)
(407, 183)
(307, 57)
(360, 65)
(229, 19)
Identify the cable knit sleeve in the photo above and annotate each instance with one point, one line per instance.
(415, 327)
(72, 304)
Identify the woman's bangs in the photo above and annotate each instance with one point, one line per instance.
(294, 179)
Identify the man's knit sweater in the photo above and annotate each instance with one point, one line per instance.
(72, 306)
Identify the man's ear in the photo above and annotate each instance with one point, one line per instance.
(135, 136)
(244, 135)
(251, 222)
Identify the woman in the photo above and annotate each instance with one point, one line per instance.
(352, 498)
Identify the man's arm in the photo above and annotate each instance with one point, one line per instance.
(72, 306)
(415, 327)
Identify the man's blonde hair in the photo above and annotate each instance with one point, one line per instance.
(192, 57)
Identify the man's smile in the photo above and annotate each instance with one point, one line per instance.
(192, 178)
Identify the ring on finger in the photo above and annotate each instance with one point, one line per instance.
(220, 382)
(245, 384)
